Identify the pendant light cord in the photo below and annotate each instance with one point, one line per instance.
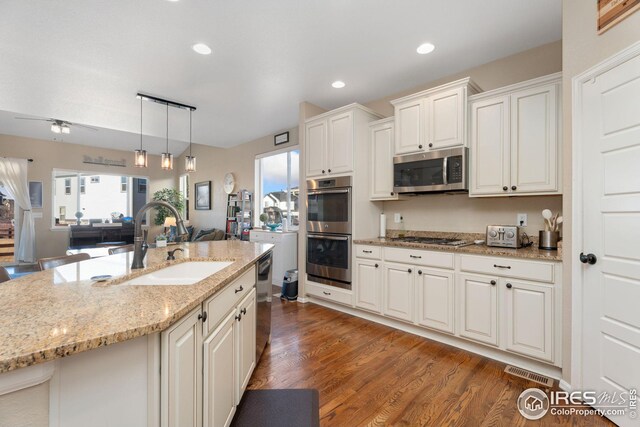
(140, 123)
(167, 128)
(190, 133)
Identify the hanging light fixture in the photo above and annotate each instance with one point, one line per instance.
(190, 161)
(140, 156)
(167, 157)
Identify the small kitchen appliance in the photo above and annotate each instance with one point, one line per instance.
(504, 236)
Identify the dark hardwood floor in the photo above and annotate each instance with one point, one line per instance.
(370, 374)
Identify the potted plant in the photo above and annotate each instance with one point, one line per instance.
(171, 196)
(161, 241)
(263, 218)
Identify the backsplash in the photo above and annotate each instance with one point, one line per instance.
(459, 213)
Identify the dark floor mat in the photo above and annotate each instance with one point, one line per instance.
(278, 408)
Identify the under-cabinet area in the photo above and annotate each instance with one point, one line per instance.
(509, 304)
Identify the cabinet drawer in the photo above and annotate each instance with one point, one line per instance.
(369, 252)
(419, 257)
(538, 271)
(221, 303)
(331, 293)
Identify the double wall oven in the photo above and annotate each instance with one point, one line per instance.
(329, 231)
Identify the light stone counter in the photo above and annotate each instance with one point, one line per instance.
(59, 312)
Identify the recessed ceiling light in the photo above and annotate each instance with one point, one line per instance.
(202, 48)
(425, 48)
(338, 84)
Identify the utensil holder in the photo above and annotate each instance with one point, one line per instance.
(548, 239)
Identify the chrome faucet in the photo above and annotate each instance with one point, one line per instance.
(139, 242)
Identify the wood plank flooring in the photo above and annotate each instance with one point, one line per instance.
(370, 374)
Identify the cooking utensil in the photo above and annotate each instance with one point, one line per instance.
(546, 214)
(553, 221)
(558, 222)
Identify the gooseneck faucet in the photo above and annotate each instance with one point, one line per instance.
(139, 244)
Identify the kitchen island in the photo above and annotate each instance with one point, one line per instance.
(49, 315)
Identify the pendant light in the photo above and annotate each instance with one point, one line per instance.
(167, 157)
(140, 156)
(190, 161)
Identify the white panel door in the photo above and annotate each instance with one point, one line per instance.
(381, 184)
(220, 382)
(246, 341)
(340, 144)
(445, 119)
(181, 380)
(435, 298)
(398, 291)
(368, 285)
(609, 132)
(409, 124)
(316, 148)
(479, 308)
(534, 140)
(529, 318)
(490, 149)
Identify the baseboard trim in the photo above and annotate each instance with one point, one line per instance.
(495, 354)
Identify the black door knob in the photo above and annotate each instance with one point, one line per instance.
(505, 188)
(430, 145)
(420, 146)
(588, 259)
(329, 171)
(513, 187)
(493, 282)
(203, 316)
(323, 171)
(392, 193)
(509, 285)
(376, 265)
(420, 272)
(409, 271)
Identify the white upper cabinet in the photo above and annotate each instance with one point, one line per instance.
(330, 140)
(381, 136)
(433, 119)
(514, 139)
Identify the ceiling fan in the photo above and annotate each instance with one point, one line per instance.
(58, 126)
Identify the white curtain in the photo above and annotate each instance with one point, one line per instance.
(13, 175)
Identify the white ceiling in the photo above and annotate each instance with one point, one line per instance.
(84, 61)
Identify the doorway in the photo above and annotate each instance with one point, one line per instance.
(7, 228)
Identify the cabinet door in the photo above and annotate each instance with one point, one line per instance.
(490, 151)
(340, 144)
(219, 372)
(479, 308)
(181, 380)
(534, 140)
(409, 118)
(435, 297)
(529, 321)
(316, 148)
(398, 291)
(381, 139)
(246, 341)
(445, 119)
(368, 285)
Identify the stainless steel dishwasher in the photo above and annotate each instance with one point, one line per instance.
(263, 303)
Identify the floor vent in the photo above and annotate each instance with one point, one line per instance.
(528, 375)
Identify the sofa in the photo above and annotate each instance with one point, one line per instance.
(201, 235)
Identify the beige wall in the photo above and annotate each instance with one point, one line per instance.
(459, 212)
(214, 163)
(49, 155)
(28, 407)
(582, 49)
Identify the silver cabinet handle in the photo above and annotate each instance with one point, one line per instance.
(320, 192)
(444, 171)
(324, 237)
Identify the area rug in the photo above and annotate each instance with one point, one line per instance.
(278, 408)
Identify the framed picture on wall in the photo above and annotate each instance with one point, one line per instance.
(281, 138)
(203, 195)
(35, 194)
(611, 12)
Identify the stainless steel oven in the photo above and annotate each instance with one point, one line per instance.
(329, 259)
(329, 205)
(435, 171)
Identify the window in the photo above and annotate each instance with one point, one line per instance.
(277, 183)
(107, 198)
(184, 189)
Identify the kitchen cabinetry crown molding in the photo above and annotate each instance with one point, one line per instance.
(456, 83)
(550, 78)
(344, 109)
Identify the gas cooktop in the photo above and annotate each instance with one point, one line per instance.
(431, 240)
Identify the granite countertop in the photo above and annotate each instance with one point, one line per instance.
(531, 252)
(59, 312)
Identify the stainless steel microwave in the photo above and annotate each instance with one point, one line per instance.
(433, 171)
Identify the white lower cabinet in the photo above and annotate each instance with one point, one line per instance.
(529, 318)
(398, 291)
(369, 285)
(203, 379)
(435, 298)
(479, 308)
